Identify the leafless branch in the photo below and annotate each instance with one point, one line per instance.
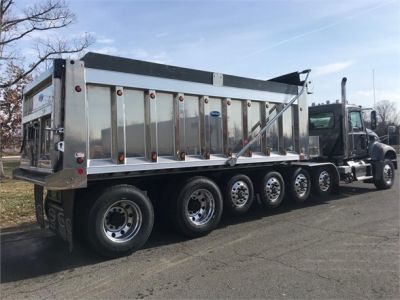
(45, 15)
(50, 49)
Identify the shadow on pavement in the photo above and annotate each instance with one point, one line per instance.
(29, 252)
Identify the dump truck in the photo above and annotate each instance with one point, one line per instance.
(112, 143)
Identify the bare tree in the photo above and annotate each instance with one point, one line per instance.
(19, 25)
(388, 112)
(11, 110)
(17, 28)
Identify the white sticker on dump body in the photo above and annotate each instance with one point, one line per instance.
(43, 98)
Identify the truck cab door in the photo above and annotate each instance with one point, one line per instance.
(357, 137)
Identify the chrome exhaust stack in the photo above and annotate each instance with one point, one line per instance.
(344, 81)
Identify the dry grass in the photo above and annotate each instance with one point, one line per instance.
(16, 199)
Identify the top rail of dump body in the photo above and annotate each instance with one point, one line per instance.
(126, 116)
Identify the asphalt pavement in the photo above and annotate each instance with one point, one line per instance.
(345, 246)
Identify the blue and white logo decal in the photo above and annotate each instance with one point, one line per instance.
(215, 113)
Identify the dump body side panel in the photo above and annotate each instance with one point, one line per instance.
(120, 115)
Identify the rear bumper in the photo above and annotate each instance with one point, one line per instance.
(66, 179)
(33, 177)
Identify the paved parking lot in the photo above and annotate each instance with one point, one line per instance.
(346, 246)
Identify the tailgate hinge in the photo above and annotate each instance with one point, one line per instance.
(60, 146)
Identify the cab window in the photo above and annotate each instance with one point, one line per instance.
(355, 121)
(322, 120)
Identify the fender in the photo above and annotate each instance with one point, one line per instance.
(379, 152)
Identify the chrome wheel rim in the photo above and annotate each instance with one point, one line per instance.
(122, 221)
(301, 185)
(240, 193)
(200, 208)
(273, 189)
(387, 174)
(324, 181)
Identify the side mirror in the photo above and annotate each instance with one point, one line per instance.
(373, 120)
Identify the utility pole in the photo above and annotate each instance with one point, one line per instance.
(373, 84)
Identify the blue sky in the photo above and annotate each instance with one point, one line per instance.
(259, 39)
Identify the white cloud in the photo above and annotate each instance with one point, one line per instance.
(366, 97)
(100, 38)
(142, 54)
(381, 94)
(106, 50)
(331, 68)
(104, 40)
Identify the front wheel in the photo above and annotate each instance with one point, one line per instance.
(119, 221)
(386, 176)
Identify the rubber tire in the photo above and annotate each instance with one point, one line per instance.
(315, 188)
(381, 184)
(180, 202)
(228, 203)
(263, 196)
(95, 235)
(290, 187)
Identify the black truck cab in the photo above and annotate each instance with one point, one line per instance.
(341, 130)
(345, 141)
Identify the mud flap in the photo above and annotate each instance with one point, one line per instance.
(60, 217)
(38, 193)
(377, 169)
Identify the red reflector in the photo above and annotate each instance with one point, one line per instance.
(80, 171)
(80, 160)
(121, 158)
(152, 95)
(78, 88)
(119, 93)
(181, 98)
(153, 156)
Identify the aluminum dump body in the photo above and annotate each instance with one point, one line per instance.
(111, 115)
